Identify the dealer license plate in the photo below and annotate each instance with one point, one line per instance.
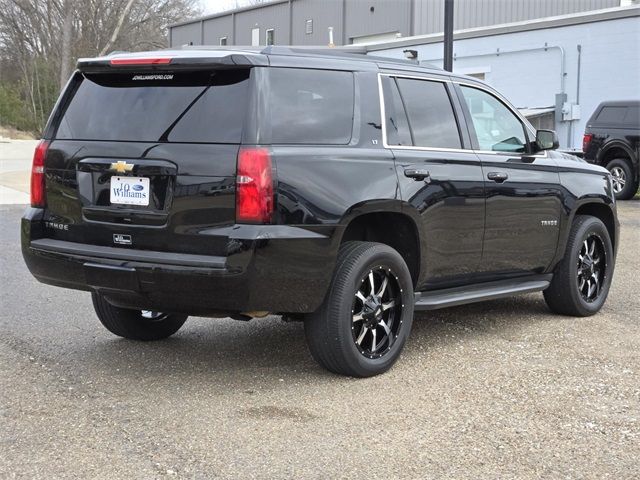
(130, 190)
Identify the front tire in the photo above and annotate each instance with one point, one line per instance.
(141, 325)
(625, 184)
(366, 317)
(582, 279)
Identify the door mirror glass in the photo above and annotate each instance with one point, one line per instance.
(547, 140)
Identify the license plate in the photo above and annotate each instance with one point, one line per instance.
(130, 190)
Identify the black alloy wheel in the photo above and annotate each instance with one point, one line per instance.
(365, 319)
(592, 267)
(581, 280)
(377, 312)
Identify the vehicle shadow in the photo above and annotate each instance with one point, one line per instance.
(269, 348)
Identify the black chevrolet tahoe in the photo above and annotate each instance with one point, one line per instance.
(612, 139)
(342, 190)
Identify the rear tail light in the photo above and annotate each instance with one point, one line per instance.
(586, 141)
(38, 192)
(254, 186)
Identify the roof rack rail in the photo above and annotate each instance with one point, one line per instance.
(350, 52)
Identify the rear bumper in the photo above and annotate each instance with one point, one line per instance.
(267, 268)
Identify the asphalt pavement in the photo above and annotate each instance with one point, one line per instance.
(502, 389)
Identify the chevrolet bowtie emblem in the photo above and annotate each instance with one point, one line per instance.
(121, 167)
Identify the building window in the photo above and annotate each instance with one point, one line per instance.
(223, 40)
(308, 27)
(270, 37)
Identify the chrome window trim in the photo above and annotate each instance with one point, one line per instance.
(503, 100)
(383, 114)
(383, 117)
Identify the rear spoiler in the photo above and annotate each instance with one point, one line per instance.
(172, 60)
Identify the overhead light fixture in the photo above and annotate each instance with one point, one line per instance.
(411, 54)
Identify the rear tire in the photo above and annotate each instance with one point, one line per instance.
(582, 279)
(366, 317)
(625, 184)
(136, 324)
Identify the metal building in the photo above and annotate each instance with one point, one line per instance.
(307, 22)
(556, 70)
(555, 60)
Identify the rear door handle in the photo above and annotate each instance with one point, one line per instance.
(497, 177)
(418, 174)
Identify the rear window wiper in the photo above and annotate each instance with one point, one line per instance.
(165, 135)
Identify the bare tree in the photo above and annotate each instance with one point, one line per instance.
(41, 39)
(67, 33)
(116, 31)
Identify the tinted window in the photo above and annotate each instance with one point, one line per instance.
(311, 106)
(430, 113)
(612, 115)
(173, 107)
(497, 128)
(633, 116)
(397, 124)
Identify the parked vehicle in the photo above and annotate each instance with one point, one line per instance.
(612, 139)
(343, 190)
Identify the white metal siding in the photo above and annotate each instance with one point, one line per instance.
(531, 76)
(358, 20)
(429, 14)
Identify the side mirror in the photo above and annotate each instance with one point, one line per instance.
(547, 140)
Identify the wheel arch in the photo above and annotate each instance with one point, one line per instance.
(389, 225)
(618, 149)
(604, 213)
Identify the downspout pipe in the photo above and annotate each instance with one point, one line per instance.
(570, 134)
(498, 52)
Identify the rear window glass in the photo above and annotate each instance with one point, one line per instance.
(311, 106)
(198, 107)
(612, 115)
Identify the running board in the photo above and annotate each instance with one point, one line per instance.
(451, 297)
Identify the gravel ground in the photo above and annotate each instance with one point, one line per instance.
(502, 389)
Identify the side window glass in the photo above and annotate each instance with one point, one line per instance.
(312, 107)
(431, 118)
(497, 128)
(612, 115)
(633, 116)
(397, 124)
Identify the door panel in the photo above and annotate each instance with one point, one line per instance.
(523, 193)
(440, 181)
(523, 213)
(450, 207)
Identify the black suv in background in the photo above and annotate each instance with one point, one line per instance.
(612, 139)
(342, 190)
